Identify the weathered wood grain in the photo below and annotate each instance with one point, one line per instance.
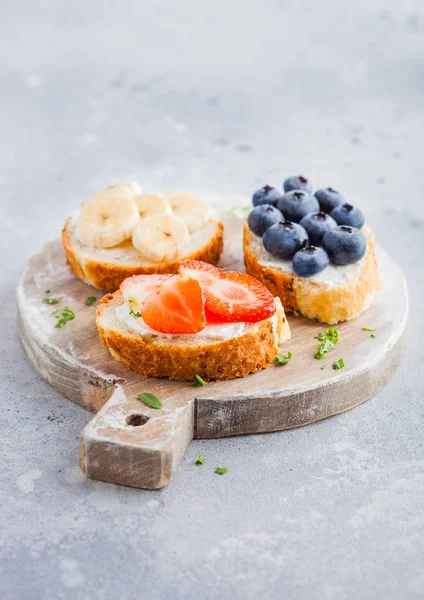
(126, 442)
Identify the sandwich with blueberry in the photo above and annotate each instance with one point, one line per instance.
(313, 250)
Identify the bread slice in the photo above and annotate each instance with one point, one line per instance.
(336, 294)
(106, 268)
(184, 356)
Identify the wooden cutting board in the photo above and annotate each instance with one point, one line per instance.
(128, 443)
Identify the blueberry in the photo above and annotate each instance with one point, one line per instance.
(328, 199)
(266, 195)
(346, 214)
(310, 261)
(283, 240)
(317, 224)
(344, 245)
(296, 204)
(297, 182)
(262, 217)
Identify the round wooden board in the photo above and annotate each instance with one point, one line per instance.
(128, 443)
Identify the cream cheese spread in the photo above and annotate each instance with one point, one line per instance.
(333, 275)
(222, 331)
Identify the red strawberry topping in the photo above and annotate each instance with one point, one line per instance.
(203, 272)
(175, 306)
(239, 297)
(230, 296)
(144, 283)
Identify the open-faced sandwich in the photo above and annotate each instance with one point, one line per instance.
(123, 232)
(201, 322)
(313, 251)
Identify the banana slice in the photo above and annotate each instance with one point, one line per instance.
(161, 237)
(152, 204)
(108, 220)
(130, 187)
(192, 209)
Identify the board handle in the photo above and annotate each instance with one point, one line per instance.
(129, 443)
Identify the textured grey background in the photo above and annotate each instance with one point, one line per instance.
(218, 96)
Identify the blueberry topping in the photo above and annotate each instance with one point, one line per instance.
(317, 224)
(265, 195)
(346, 214)
(297, 182)
(262, 217)
(310, 261)
(283, 240)
(296, 204)
(344, 245)
(328, 199)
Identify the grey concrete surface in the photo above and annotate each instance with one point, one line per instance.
(218, 96)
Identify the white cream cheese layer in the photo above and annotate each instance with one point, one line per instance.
(218, 331)
(222, 331)
(333, 275)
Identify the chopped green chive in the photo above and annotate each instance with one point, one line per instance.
(373, 335)
(90, 300)
(76, 518)
(368, 329)
(330, 339)
(150, 400)
(327, 346)
(52, 300)
(221, 470)
(338, 364)
(47, 291)
(200, 460)
(331, 334)
(134, 314)
(64, 316)
(198, 380)
(280, 359)
(323, 367)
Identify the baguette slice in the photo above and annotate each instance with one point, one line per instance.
(106, 268)
(184, 356)
(341, 295)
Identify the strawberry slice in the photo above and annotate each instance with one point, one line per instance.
(230, 296)
(175, 306)
(203, 272)
(238, 297)
(135, 289)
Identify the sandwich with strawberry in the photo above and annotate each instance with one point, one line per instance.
(201, 321)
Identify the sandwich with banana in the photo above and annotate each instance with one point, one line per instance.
(123, 232)
(199, 324)
(314, 251)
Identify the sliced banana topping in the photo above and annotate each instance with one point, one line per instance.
(108, 220)
(131, 187)
(161, 237)
(152, 204)
(192, 209)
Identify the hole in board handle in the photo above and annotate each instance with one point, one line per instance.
(137, 420)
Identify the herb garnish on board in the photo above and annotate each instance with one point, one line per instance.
(64, 316)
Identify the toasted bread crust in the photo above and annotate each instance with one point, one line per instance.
(236, 357)
(108, 276)
(317, 300)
